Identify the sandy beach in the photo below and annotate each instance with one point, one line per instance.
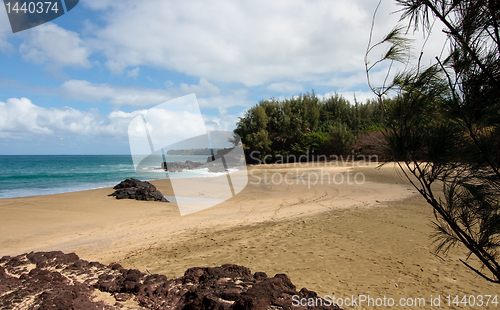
(371, 238)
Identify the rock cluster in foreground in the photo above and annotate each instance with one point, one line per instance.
(138, 190)
(54, 280)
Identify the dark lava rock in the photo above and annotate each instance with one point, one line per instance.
(138, 190)
(212, 166)
(235, 158)
(54, 280)
(179, 166)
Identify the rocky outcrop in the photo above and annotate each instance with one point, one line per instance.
(191, 165)
(54, 280)
(138, 190)
(234, 158)
(179, 166)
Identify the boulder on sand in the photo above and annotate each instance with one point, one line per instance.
(138, 190)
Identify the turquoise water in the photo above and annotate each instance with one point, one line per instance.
(32, 175)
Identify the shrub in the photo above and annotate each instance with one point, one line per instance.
(341, 139)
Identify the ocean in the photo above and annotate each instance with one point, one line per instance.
(33, 175)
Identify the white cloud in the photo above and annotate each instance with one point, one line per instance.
(21, 115)
(348, 81)
(55, 46)
(117, 95)
(221, 123)
(253, 42)
(133, 72)
(237, 97)
(22, 118)
(285, 87)
(208, 94)
(202, 89)
(168, 126)
(5, 29)
(114, 67)
(5, 46)
(102, 4)
(361, 96)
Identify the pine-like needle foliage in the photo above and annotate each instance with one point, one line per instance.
(444, 127)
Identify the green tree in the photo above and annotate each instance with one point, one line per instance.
(341, 139)
(306, 123)
(253, 131)
(316, 143)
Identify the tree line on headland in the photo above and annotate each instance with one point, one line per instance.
(308, 124)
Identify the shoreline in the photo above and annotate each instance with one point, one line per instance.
(101, 187)
(305, 165)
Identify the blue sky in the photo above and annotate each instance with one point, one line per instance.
(71, 86)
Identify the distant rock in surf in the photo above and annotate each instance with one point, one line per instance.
(233, 158)
(54, 280)
(179, 166)
(138, 190)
